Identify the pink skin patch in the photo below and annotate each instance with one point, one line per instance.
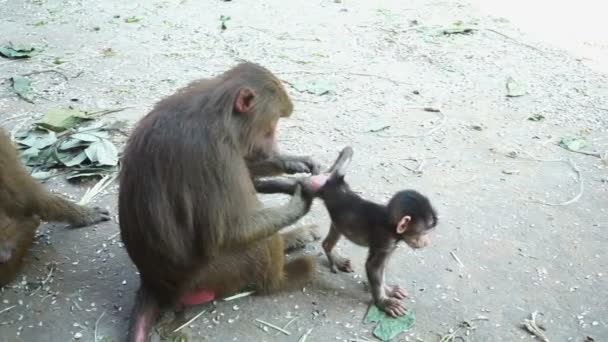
(200, 297)
(317, 181)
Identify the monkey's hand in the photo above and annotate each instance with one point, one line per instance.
(94, 215)
(391, 306)
(302, 195)
(293, 164)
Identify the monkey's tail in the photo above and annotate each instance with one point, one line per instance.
(145, 312)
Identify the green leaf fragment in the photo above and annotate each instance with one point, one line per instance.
(102, 152)
(536, 117)
(17, 51)
(59, 120)
(514, 88)
(132, 19)
(23, 88)
(72, 159)
(389, 327)
(39, 139)
(316, 87)
(573, 143)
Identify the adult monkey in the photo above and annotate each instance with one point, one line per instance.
(189, 214)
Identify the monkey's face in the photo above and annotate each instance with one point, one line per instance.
(417, 241)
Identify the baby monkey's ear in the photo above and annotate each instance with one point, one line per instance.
(403, 224)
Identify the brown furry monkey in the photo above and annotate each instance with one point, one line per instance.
(189, 214)
(24, 202)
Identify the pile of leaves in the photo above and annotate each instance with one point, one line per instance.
(60, 140)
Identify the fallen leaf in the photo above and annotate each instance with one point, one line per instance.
(389, 327)
(62, 119)
(223, 20)
(83, 172)
(514, 88)
(102, 152)
(316, 87)
(536, 117)
(39, 139)
(58, 61)
(17, 51)
(72, 159)
(573, 143)
(132, 19)
(40, 23)
(23, 88)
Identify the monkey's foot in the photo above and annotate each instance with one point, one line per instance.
(392, 306)
(301, 236)
(199, 297)
(95, 215)
(395, 291)
(343, 264)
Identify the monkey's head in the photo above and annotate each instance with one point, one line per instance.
(260, 100)
(413, 216)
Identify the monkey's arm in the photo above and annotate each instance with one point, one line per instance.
(265, 222)
(374, 267)
(283, 163)
(276, 185)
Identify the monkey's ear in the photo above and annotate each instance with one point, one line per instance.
(403, 224)
(244, 100)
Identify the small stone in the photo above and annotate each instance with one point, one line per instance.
(78, 335)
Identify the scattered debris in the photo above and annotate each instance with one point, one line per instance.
(189, 321)
(273, 326)
(510, 172)
(453, 334)
(380, 129)
(132, 19)
(315, 87)
(515, 88)
(223, 20)
(536, 117)
(389, 327)
(457, 28)
(23, 87)
(429, 132)
(97, 188)
(532, 326)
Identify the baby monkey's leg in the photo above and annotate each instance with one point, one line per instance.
(335, 260)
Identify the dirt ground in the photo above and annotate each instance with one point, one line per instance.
(498, 255)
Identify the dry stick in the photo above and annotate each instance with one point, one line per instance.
(46, 71)
(273, 326)
(190, 321)
(396, 82)
(97, 324)
(14, 117)
(579, 180)
(512, 39)
(456, 258)
(531, 326)
(7, 309)
(305, 336)
(42, 283)
(288, 323)
(429, 132)
(239, 295)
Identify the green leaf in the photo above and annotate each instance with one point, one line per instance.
(91, 136)
(40, 23)
(73, 158)
(132, 19)
(99, 171)
(514, 88)
(17, 51)
(39, 139)
(102, 152)
(536, 117)
(23, 87)
(72, 143)
(42, 175)
(58, 61)
(389, 327)
(62, 119)
(573, 143)
(316, 87)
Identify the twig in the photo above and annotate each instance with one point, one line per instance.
(305, 336)
(237, 296)
(342, 71)
(580, 181)
(190, 321)
(288, 323)
(511, 38)
(113, 236)
(532, 327)
(48, 277)
(46, 71)
(7, 309)
(107, 111)
(587, 153)
(427, 133)
(456, 258)
(273, 327)
(14, 117)
(92, 192)
(97, 324)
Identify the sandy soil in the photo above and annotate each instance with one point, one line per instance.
(481, 161)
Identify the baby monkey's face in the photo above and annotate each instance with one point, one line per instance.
(417, 241)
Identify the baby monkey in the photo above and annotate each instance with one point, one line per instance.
(408, 216)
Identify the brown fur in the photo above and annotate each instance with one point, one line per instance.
(189, 215)
(23, 203)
